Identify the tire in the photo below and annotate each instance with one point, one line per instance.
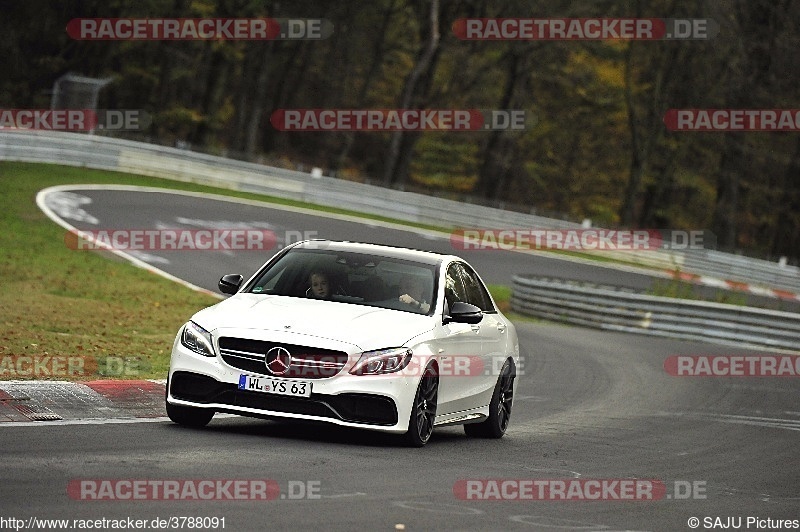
(423, 411)
(187, 415)
(499, 408)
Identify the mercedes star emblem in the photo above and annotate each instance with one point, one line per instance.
(278, 360)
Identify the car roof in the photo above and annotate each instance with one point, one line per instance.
(427, 257)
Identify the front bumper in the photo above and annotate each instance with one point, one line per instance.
(375, 402)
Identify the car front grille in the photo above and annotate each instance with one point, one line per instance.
(306, 362)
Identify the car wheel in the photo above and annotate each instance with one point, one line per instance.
(499, 408)
(189, 416)
(423, 412)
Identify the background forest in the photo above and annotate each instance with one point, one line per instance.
(600, 149)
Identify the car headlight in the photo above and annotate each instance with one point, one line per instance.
(382, 361)
(197, 339)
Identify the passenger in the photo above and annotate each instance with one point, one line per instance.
(320, 285)
(412, 292)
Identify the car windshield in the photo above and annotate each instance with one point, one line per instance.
(356, 278)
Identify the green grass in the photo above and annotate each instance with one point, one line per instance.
(678, 288)
(672, 288)
(501, 295)
(57, 302)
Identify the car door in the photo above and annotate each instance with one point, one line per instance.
(491, 331)
(458, 347)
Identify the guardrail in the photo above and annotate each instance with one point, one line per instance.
(616, 309)
(106, 153)
(744, 269)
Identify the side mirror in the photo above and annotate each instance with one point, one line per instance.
(229, 284)
(461, 312)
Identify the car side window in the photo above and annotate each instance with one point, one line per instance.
(475, 291)
(454, 286)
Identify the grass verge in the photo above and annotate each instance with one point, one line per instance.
(678, 288)
(77, 315)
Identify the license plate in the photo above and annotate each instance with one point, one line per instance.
(294, 388)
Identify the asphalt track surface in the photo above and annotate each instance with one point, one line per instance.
(126, 209)
(590, 404)
(129, 209)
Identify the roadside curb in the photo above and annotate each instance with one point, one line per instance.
(736, 286)
(62, 401)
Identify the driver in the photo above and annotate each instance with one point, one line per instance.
(412, 293)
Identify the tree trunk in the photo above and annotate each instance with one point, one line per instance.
(759, 23)
(259, 100)
(211, 96)
(491, 168)
(372, 71)
(786, 234)
(424, 64)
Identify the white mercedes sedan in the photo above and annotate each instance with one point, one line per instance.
(358, 335)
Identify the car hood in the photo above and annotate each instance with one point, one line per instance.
(365, 327)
